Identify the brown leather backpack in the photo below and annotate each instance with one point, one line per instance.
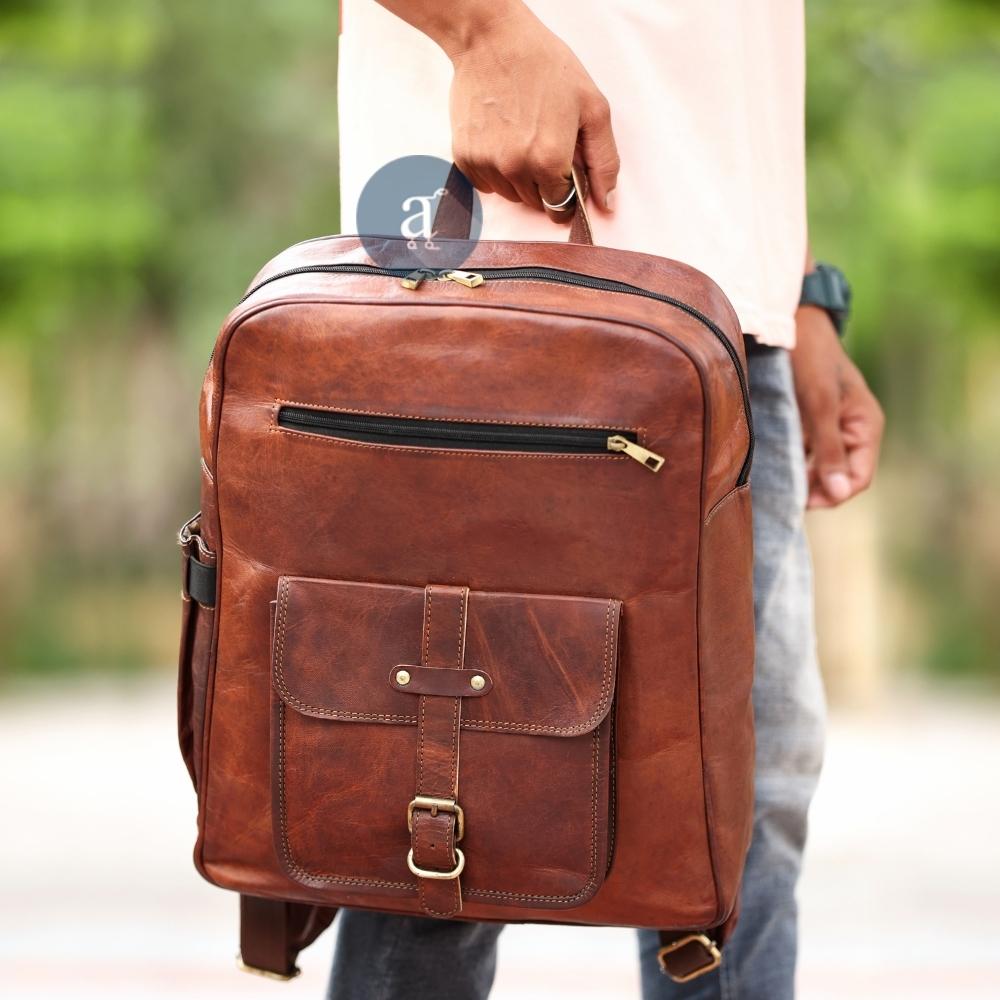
(468, 622)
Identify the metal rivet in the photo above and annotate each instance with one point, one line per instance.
(402, 677)
(478, 682)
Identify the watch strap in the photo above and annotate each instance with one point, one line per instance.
(828, 288)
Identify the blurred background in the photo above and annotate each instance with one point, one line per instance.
(152, 156)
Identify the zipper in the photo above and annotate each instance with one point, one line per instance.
(418, 432)
(412, 279)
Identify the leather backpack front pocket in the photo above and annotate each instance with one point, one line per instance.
(533, 688)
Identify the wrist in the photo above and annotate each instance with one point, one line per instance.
(466, 25)
(814, 328)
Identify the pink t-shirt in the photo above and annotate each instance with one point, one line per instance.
(707, 104)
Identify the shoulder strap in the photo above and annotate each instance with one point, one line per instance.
(273, 932)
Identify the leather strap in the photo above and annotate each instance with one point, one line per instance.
(273, 932)
(434, 818)
(453, 218)
(443, 683)
(200, 581)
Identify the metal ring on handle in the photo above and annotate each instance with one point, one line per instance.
(566, 202)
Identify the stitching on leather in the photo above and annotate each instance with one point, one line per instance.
(593, 873)
(207, 471)
(455, 718)
(421, 729)
(304, 875)
(465, 420)
(422, 886)
(612, 785)
(453, 759)
(419, 820)
(459, 453)
(499, 726)
(736, 491)
(427, 628)
(461, 628)
(279, 676)
(293, 866)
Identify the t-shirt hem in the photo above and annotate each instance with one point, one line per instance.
(769, 329)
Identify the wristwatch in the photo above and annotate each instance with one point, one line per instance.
(827, 287)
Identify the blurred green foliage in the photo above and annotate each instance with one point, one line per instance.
(904, 193)
(154, 154)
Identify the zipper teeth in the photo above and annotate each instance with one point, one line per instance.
(595, 438)
(557, 276)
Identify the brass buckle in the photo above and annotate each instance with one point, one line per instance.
(428, 873)
(712, 953)
(434, 806)
(266, 973)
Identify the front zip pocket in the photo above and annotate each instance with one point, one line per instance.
(473, 279)
(474, 436)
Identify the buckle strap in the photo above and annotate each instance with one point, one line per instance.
(434, 818)
(687, 956)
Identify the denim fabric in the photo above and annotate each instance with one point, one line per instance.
(382, 957)
(789, 713)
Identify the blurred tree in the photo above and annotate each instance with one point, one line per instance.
(904, 162)
(153, 154)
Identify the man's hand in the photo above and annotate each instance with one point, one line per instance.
(841, 420)
(523, 108)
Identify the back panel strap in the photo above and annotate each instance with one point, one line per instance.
(273, 932)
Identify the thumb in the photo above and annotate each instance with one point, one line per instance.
(599, 152)
(830, 457)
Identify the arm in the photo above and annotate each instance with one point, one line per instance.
(842, 421)
(522, 105)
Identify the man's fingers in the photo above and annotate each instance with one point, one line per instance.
(600, 152)
(474, 172)
(861, 462)
(830, 470)
(503, 187)
(863, 424)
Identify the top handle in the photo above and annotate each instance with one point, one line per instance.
(453, 218)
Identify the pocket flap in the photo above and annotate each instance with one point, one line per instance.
(552, 659)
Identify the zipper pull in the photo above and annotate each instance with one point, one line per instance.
(468, 278)
(414, 278)
(648, 458)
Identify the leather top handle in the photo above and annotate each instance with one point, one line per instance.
(453, 218)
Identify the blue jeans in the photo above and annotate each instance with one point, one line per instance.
(383, 957)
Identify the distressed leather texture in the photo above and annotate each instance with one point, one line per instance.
(605, 771)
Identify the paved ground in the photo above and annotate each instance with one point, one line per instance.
(98, 898)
